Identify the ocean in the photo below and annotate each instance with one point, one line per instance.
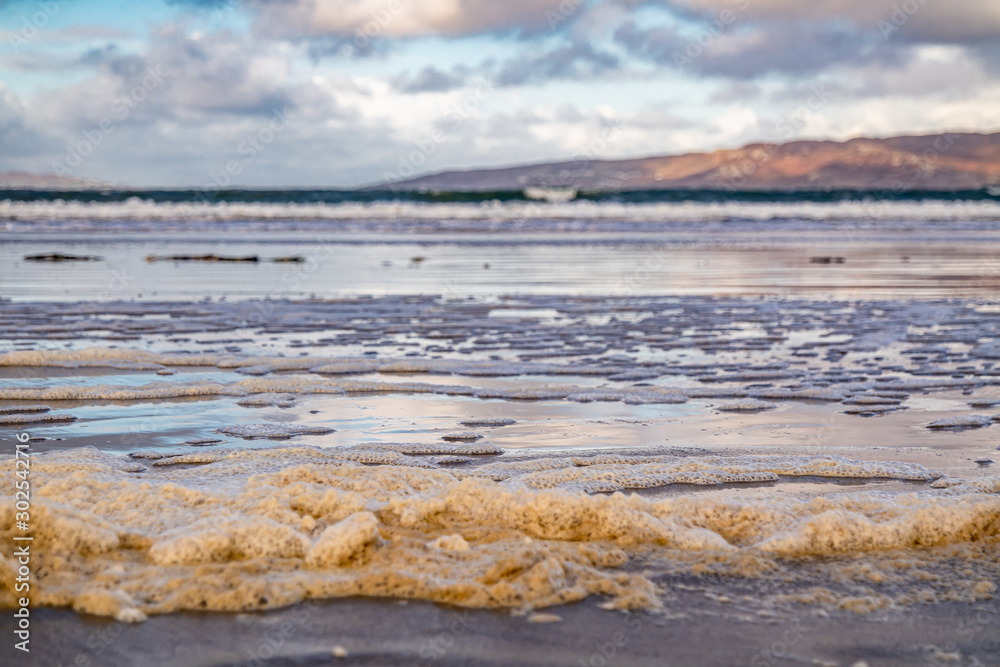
(545, 210)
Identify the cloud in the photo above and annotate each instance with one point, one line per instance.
(577, 60)
(920, 20)
(174, 111)
(932, 72)
(217, 73)
(17, 138)
(739, 91)
(406, 18)
(749, 39)
(752, 51)
(432, 80)
(988, 55)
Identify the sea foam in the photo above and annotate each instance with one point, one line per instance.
(257, 529)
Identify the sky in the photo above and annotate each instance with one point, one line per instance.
(339, 93)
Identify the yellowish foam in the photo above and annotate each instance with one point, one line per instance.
(265, 528)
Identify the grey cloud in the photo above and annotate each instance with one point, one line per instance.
(319, 48)
(955, 21)
(431, 79)
(47, 61)
(573, 61)
(748, 52)
(98, 56)
(988, 55)
(18, 140)
(209, 74)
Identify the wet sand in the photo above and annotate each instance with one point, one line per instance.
(696, 631)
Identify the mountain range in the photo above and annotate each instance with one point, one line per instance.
(949, 161)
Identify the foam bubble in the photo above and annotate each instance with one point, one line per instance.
(868, 410)
(35, 417)
(747, 405)
(344, 540)
(487, 423)
(273, 431)
(23, 409)
(483, 447)
(872, 400)
(451, 543)
(255, 529)
(961, 422)
(466, 436)
(267, 399)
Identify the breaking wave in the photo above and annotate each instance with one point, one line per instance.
(491, 212)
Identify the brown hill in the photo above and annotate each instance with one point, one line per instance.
(952, 161)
